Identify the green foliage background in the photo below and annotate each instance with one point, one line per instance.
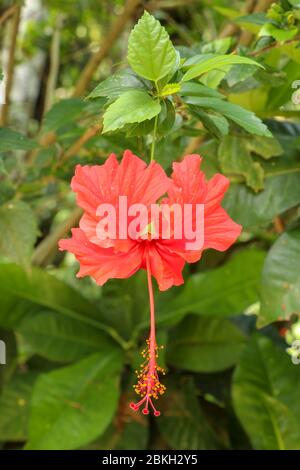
(71, 346)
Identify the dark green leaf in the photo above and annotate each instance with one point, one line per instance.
(266, 396)
(12, 140)
(72, 406)
(280, 289)
(204, 344)
(117, 84)
(244, 118)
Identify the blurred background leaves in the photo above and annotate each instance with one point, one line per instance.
(71, 346)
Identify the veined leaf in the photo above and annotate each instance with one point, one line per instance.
(117, 84)
(244, 118)
(73, 405)
(204, 344)
(214, 63)
(150, 52)
(131, 107)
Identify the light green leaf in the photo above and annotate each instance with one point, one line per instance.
(266, 147)
(18, 231)
(278, 33)
(150, 52)
(280, 288)
(62, 339)
(235, 159)
(117, 84)
(15, 407)
(214, 63)
(204, 344)
(224, 291)
(12, 140)
(73, 405)
(244, 118)
(170, 89)
(131, 107)
(266, 396)
(281, 192)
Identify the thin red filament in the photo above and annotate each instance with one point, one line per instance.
(148, 385)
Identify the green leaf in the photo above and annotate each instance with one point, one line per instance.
(266, 396)
(117, 84)
(214, 63)
(170, 89)
(18, 231)
(281, 279)
(150, 52)
(63, 113)
(217, 125)
(235, 159)
(278, 33)
(12, 140)
(182, 423)
(224, 291)
(244, 118)
(73, 405)
(204, 344)
(21, 291)
(266, 147)
(15, 407)
(197, 89)
(281, 192)
(131, 107)
(62, 339)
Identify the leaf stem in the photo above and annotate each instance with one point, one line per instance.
(154, 139)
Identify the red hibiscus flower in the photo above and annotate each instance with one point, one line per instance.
(162, 257)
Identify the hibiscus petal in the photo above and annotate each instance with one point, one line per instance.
(188, 181)
(166, 267)
(216, 189)
(93, 184)
(220, 231)
(101, 263)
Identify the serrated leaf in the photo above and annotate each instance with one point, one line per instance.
(73, 405)
(12, 140)
(131, 107)
(170, 89)
(244, 118)
(150, 52)
(18, 231)
(214, 63)
(266, 398)
(117, 84)
(217, 125)
(197, 89)
(204, 344)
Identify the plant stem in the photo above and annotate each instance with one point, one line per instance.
(154, 139)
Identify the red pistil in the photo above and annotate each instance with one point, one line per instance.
(149, 386)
